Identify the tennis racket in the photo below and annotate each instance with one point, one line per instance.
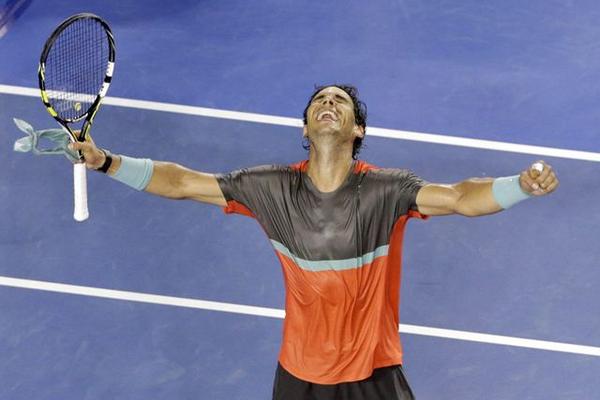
(75, 71)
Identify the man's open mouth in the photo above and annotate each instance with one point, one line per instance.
(326, 115)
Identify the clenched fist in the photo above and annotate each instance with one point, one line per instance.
(539, 179)
(93, 156)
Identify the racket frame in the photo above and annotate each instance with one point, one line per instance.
(91, 111)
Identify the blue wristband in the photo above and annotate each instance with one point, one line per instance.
(134, 172)
(507, 191)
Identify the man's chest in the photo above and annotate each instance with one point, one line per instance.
(342, 225)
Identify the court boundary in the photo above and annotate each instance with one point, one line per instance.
(280, 314)
(277, 313)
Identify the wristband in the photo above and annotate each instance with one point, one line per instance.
(134, 172)
(107, 161)
(507, 191)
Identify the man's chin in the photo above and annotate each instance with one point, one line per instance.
(327, 129)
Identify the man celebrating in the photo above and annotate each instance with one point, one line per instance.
(336, 224)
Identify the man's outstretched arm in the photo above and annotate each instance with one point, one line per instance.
(167, 179)
(483, 196)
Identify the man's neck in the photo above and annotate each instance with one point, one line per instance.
(328, 167)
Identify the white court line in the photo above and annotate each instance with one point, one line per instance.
(295, 122)
(276, 313)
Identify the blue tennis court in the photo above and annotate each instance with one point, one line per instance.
(158, 299)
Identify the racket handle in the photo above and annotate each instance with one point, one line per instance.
(80, 212)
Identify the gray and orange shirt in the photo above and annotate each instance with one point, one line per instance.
(341, 257)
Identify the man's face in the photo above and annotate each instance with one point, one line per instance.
(331, 111)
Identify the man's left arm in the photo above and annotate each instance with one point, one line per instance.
(483, 196)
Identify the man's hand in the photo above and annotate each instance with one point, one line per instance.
(536, 182)
(93, 156)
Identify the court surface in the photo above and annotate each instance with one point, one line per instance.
(157, 299)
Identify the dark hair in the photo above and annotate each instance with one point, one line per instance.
(360, 113)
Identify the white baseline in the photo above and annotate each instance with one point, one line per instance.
(295, 122)
(276, 313)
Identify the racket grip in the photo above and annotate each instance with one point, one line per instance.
(80, 212)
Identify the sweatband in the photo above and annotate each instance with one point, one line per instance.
(507, 191)
(134, 172)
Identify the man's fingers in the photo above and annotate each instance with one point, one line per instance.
(76, 145)
(527, 183)
(545, 184)
(552, 186)
(548, 186)
(536, 182)
(544, 178)
(92, 155)
(83, 146)
(545, 172)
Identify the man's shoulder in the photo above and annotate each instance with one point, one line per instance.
(376, 172)
(262, 169)
(260, 173)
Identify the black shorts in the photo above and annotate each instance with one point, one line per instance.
(386, 383)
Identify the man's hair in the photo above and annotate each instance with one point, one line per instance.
(360, 113)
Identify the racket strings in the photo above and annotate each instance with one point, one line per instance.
(76, 67)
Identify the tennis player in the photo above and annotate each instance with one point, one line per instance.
(336, 224)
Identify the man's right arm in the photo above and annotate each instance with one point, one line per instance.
(177, 182)
(168, 179)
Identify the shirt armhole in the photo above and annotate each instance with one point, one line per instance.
(416, 214)
(234, 207)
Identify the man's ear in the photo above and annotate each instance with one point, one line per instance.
(359, 131)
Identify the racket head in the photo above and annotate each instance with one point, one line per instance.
(75, 70)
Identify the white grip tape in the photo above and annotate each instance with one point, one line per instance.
(538, 166)
(80, 212)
